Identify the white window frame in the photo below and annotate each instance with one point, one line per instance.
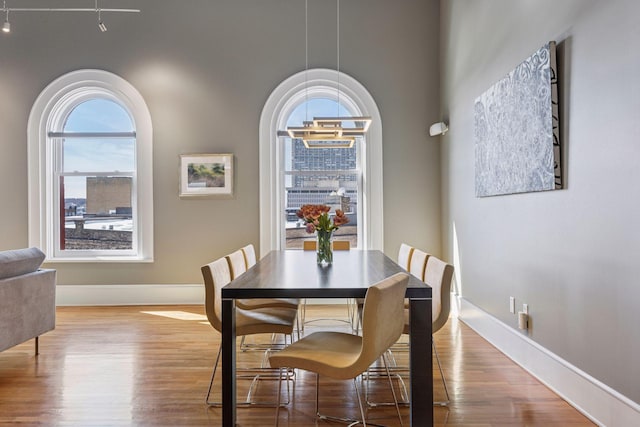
(318, 83)
(49, 110)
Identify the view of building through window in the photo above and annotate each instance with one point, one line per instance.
(97, 150)
(330, 176)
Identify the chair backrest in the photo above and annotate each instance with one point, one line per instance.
(216, 275)
(438, 275)
(404, 256)
(249, 256)
(382, 318)
(341, 245)
(309, 245)
(418, 263)
(237, 264)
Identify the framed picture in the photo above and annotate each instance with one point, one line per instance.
(206, 175)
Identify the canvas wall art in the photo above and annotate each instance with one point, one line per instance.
(517, 138)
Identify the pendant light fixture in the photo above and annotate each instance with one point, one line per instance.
(328, 132)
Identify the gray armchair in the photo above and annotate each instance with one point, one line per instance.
(27, 297)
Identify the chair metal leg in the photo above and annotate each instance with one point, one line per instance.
(256, 375)
(213, 375)
(364, 422)
(444, 383)
(279, 391)
(317, 398)
(396, 372)
(305, 321)
(393, 391)
(349, 421)
(389, 370)
(37, 345)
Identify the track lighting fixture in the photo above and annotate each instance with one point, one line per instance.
(6, 27)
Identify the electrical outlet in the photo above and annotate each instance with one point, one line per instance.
(525, 308)
(512, 305)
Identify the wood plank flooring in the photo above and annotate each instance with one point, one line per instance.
(150, 366)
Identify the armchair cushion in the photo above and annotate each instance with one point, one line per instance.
(20, 261)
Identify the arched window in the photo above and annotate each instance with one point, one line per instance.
(91, 170)
(292, 175)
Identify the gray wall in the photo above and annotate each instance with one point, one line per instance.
(205, 69)
(572, 254)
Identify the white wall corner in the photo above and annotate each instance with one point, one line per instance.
(595, 400)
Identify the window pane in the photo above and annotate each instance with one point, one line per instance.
(317, 107)
(337, 191)
(311, 175)
(98, 154)
(98, 115)
(97, 213)
(302, 158)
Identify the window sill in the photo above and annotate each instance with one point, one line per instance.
(99, 259)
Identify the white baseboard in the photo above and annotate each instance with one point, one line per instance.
(129, 294)
(67, 295)
(596, 400)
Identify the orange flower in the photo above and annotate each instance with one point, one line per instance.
(317, 218)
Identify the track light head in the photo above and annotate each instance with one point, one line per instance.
(6, 27)
(101, 26)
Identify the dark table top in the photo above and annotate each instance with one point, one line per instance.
(295, 274)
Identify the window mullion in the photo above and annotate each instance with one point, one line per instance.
(71, 135)
(106, 174)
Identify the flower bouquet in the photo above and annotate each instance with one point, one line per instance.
(317, 219)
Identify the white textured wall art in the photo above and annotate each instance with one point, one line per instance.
(517, 144)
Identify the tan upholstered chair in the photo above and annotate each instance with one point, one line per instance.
(418, 263)
(404, 256)
(237, 264)
(309, 245)
(346, 356)
(248, 322)
(336, 245)
(438, 275)
(341, 245)
(249, 257)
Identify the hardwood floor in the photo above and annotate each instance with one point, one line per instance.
(150, 366)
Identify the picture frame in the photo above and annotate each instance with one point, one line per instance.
(206, 175)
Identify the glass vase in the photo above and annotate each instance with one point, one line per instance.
(324, 250)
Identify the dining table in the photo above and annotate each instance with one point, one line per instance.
(296, 274)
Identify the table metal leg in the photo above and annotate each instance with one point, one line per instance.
(228, 363)
(420, 362)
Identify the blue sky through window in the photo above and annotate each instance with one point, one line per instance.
(99, 115)
(96, 154)
(316, 107)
